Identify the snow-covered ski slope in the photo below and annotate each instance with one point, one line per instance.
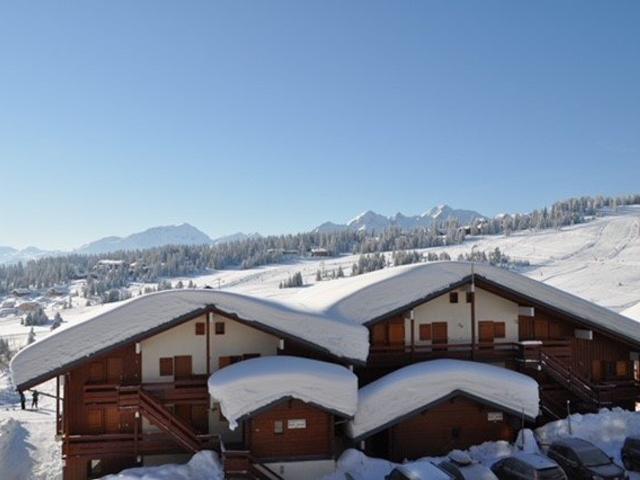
(598, 260)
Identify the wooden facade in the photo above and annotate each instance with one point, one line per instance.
(111, 419)
(291, 429)
(455, 423)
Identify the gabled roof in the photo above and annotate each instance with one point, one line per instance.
(143, 316)
(247, 387)
(405, 392)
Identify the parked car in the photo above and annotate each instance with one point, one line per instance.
(462, 467)
(630, 453)
(418, 470)
(583, 460)
(528, 466)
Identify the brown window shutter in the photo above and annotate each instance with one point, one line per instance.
(166, 366)
(439, 332)
(199, 328)
(425, 331)
(453, 297)
(499, 329)
(622, 368)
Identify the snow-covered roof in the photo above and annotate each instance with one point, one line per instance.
(374, 295)
(328, 315)
(141, 316)
(246, 387)
(409, 390)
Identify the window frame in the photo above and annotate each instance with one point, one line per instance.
(220, 328)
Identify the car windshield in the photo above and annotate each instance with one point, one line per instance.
(592, 457)
(553, 473)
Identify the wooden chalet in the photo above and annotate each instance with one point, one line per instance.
(132, 382)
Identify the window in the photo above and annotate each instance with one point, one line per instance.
(278, 427)
(439, 332)
(166, 366)
(425, 331)
(200, 328)
(219, 328)
(453, 297)
(499, 330)
(469, 297)
(622, 368)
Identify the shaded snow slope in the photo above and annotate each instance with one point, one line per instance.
(403, 391)
(247, 386)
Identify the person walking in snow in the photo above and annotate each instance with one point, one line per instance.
(23, 401)
(34, 399)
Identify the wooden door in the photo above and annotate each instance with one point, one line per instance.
(597, 371)
(112, 420)
(182, 367)
(540, 329)
(439, 333)
(486, 332)
(114, 370)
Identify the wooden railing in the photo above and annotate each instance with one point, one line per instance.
(149, 398)
(485, 351)
(240, 463)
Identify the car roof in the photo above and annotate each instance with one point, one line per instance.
(535, 460)
(423, 469)
(574, 442)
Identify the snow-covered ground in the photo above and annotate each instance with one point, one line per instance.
(606, 429)
(599, 261)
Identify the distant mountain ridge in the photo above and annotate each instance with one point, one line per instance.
(186, 234)
(183, 234)
(374, 222)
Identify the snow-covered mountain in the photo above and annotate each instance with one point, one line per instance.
(236, 237)
(372, 221)
(10, 255)
(183, 234)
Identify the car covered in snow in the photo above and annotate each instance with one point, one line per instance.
(418, 470)
(462, 467)
(527, 466)
(581, 459)
(630, 453)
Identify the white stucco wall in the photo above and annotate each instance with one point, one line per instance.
(238, 339)
(179, 340)
(458, 316)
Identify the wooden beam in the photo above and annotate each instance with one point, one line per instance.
(58, 426)
(207, 333)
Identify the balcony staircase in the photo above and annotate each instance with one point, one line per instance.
(161, 417)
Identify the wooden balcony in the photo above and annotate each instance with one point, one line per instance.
(191, 391)
(396, 355)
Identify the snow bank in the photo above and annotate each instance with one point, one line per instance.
(360, 467)
(606, 429)
(247, 386)
(15, 461)
(411, 388)
(203, 465)
(138, 316)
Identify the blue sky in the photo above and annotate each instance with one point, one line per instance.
(275, 116)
